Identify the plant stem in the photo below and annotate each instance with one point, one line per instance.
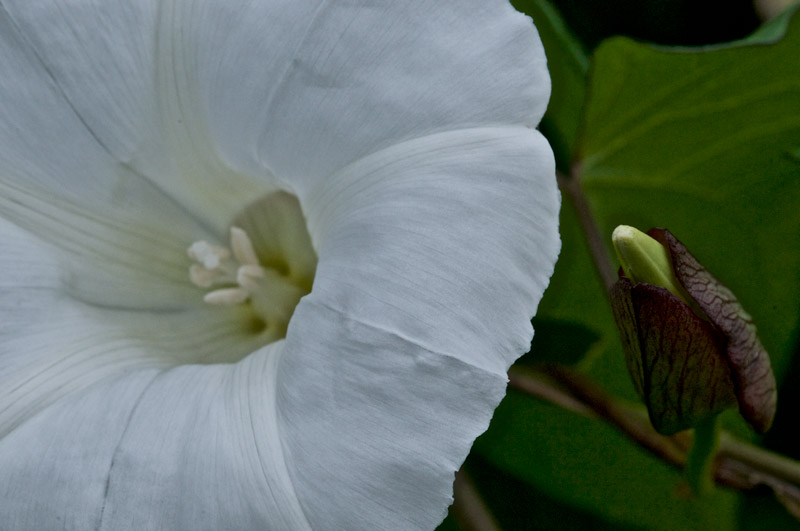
(738, 464)
(700, 461)
(469, 509)
(573, 189)
(564, 387)
(771, 463)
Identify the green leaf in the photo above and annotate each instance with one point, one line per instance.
(591, 466)
(558, 341)
(704, 142)
(518, 505)
(568, 65)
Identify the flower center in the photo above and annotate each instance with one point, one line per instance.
(269, 272)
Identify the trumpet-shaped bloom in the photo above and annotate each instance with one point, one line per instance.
(370, 218)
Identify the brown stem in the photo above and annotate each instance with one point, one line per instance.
(754, 456)
(572, 187)
(574, 387)
(737, 465)
(469, 509)
(546, 390)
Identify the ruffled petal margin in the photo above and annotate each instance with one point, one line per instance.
(336, 81)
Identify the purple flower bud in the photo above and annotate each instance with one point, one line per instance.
(691, 361)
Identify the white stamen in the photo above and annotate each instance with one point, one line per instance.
(209, 255)
(247, 276)
(211, 262)
(227, 296)
(243, 247)
(202, 277)
(216, 266)
(254, 271)
(197, 249)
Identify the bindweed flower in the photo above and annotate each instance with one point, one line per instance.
(265, 263)
(691, 349)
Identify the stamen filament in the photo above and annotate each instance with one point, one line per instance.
(201, 276)
(247, 276)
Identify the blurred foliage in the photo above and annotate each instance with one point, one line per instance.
(705, 142)
(671, 22)
(568, 65)
(518, 505)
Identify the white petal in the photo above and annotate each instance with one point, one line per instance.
(99, 431)
(192, 448)
(122, 257)
(334, 81)
(433, 257)
(202, 451)
(320, 84)
(55, 466)
(59, 177)
(52, 345)
(90, 109)
(391, 368)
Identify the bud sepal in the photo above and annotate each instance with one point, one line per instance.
(694, 354)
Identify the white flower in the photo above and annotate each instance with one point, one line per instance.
(131, 130)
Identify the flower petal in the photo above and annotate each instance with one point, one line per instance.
(366, 78)
(60, 179)
(52, 345)
(433, 255)
(202, 451)
(338, 80)
(359, 420)
(434, 245)
(190, 448)
(96, 424)
(116, 257)
(334, 82)
(55, 466)
(90, 110)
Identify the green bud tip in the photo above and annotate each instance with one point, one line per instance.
(644, 259)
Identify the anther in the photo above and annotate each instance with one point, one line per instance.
(227, 296)
(202, 277)
(243, 247)
(241, 272)
(211, 256)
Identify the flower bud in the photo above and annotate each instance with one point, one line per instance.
(691, 350)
